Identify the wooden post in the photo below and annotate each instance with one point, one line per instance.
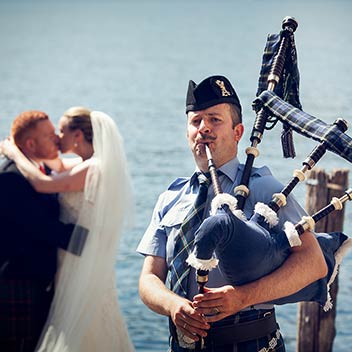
(316, 328)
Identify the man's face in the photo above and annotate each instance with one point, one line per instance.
(213, 126)
(45, 141)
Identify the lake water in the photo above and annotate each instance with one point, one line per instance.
(133, 59)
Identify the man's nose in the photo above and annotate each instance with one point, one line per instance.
(204, 127)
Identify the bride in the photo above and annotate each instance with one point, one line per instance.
(94, 192)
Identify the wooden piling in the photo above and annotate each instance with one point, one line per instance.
(316, 328)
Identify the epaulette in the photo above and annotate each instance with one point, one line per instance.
(260, 171)
(178, 183)
(257, 171)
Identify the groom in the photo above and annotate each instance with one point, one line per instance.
(30, 236)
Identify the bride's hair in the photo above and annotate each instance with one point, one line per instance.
(79, 118)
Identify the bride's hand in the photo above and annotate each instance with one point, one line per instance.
(8, 148)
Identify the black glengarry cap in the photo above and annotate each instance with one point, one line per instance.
(211, 91)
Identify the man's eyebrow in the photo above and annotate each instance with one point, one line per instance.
(214, 114)
(209, 114)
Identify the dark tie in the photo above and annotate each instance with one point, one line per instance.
(184, 241)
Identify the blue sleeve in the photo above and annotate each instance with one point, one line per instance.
(154, 239)
(167, 217)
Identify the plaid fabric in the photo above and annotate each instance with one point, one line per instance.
(24, 305)
(273, 342)
(288, 85)
(179, 269)
(307, 125)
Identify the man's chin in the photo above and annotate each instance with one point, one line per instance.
(201, 160)
(199, 154)
(199, 151)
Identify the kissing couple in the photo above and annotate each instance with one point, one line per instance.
(62, 221)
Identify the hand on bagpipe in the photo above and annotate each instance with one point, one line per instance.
(246, 250)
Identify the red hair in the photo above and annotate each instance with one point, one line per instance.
(24, 123)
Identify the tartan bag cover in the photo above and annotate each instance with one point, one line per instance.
(307, 125)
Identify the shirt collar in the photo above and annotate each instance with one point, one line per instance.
(229, 169)
(35, 163)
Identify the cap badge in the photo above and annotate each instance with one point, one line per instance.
(224, 91)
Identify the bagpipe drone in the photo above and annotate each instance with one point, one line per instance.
(247, 249)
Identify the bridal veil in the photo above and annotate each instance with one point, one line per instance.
(85, 301)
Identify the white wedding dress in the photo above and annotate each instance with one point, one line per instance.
(107, 330)
(85, 315)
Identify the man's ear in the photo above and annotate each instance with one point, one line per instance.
(238, 132)
(30, 145)
(187, 133)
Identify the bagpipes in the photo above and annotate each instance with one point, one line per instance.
(247, 249)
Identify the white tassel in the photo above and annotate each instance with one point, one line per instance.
(230, 201)
(339, 255)
(202, 264)
(292, 234)
(221, 199)
(269, 215)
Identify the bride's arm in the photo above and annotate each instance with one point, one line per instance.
(63, 164)
(67, 181)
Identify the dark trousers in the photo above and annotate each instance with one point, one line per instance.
(269, 342)
(24, 307)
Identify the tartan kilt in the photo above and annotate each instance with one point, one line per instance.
(24, 306)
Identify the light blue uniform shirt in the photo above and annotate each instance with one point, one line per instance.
(174, 204)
